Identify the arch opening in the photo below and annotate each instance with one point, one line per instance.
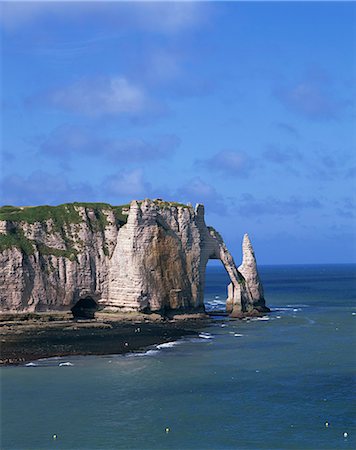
(215, 290)
(85, 308)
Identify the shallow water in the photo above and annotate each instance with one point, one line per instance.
(270, 383)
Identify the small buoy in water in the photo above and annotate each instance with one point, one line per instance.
(326, 424)
(126, 344)
(345, 435)
(167, 430)
(54, 436)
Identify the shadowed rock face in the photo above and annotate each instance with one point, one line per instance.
(154, 262)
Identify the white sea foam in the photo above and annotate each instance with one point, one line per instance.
(238, 335)
(140, 354)
(198, 340)
(205, 336)
(298, 305)
(52, 358)
(31, 364)
(168, 344)
(284, 309)
(260, 318)
(65, 364)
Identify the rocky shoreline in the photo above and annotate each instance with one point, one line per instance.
(28, 337)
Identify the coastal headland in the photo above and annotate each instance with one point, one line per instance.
(84, 278)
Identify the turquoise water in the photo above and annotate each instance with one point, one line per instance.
(252, 384)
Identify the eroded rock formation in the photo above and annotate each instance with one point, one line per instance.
(155, 261)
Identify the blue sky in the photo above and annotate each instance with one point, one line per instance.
(246, 107)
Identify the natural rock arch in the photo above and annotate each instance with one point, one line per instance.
(150, 257)
(245, 291)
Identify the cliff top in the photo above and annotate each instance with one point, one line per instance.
(68, 212)
(61, 214)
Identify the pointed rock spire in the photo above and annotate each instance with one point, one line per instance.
(249, 271)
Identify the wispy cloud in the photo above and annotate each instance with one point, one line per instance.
(127, 184)
(43, 188)
(346, 208)
(69, 140)
(158, 17)
(197, 190)
(314, 96)
(288, 158)
(250, 206)
(288, 128)
(97, 97)
(229, 162)
(330, 164)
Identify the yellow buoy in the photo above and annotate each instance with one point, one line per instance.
(54, 436)
(326, 424)
(167, 430)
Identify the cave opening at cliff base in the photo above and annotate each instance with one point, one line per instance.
(214, 295)
(85, 308)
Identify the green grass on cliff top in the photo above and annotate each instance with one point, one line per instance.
(67, 213)
(61, 214)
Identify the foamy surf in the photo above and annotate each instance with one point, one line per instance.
(31, 364)
(140, 354)
(205, 336)
(168, 345)
(298, 305)
(65, 364)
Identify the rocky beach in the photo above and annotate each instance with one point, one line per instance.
(27, 337)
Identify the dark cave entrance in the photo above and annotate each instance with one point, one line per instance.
(85, 308)
(215, 290)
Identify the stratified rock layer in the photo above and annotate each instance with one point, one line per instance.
(154, 262)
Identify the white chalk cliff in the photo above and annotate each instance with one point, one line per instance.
(155, 262)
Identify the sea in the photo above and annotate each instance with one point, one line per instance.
(282, 381)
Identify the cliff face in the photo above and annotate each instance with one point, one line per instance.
(151, 257)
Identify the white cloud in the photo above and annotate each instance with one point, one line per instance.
(161, 17)
(100, 96)
(228, 162)
(130, 183)
(41, 187)
(197, 190)
(69, 140)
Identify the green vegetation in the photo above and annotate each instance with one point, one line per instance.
(165, 204)
(16, 238)
(121, 218)
(69, 253)
(67, 213)
(60, 215)
(9, 209)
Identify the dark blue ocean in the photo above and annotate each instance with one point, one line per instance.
(284, 381)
